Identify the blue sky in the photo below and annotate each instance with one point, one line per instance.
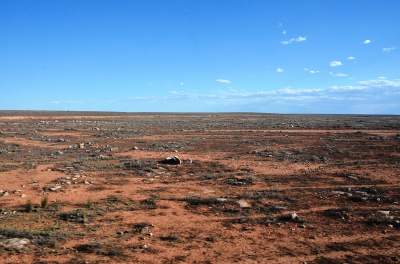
(294, 56)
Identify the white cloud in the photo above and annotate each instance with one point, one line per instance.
(367, 41)
(292, 40)
(374, 85)
(279, 70)
(368, 96)
(390, 49)
(335, 63)
(223, 81)
(351, 58)
(310, 71)
(339, 74)
(284, 32)
(293, 91)
(362, 89)
(379, 83)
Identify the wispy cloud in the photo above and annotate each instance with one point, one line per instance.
(380, 83)
(335, 63)
(338, 74)
(223, 81)
(367, 41)
(310, 71)
(284, 32)
(279, 70)
(374, 86)
(294, 40)
(390, 49)
(57, 102)
(368, 96)
(337, 92)
(351, 58)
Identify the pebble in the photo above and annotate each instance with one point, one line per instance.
(294, 215)
(385, 213)
(244, 204)
(55, 188)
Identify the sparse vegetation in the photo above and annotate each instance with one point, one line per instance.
(44, 202)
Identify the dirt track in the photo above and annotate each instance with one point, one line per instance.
(89, 188)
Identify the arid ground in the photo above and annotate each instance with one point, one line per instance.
(251, 188)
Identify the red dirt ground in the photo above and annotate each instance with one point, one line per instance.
(252, 188)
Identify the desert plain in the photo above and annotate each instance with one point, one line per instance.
(87, 187)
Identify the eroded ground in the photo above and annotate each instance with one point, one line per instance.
(90, 188)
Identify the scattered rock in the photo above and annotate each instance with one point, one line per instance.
(55, 188)
(172, 160)
(143, 229)
(244, 204)
(14, 243)
(292, 217)
(383, 219)
(338, 192)
(4, 193)
(77, 216)
(239, 181)
(385, 213)
(262, 153)
(337, 213)
(103, 157)
(113, 149)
